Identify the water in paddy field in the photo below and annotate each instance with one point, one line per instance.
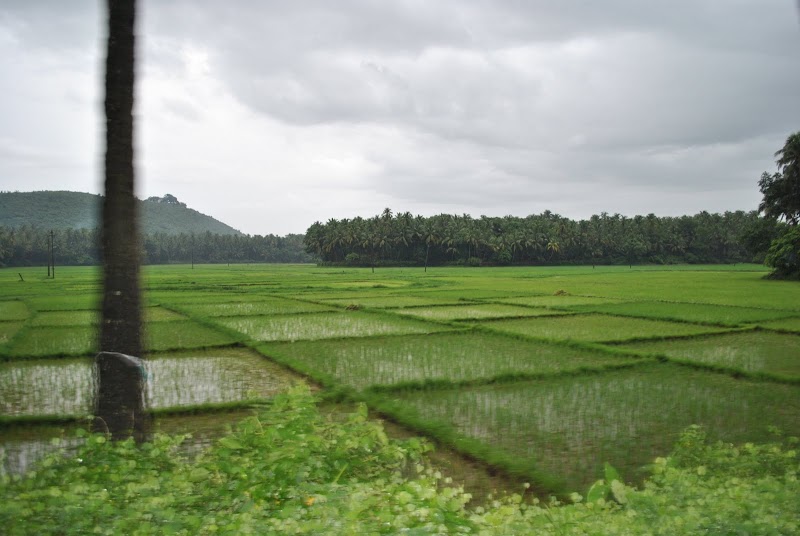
(66, 386)
(58, 387)
(23, 445)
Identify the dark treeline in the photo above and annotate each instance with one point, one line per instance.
(546, 238)
(28, 246)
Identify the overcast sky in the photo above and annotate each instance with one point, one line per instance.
(271, 115)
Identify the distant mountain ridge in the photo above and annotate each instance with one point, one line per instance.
(78, 210)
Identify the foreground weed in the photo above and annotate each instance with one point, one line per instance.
(287, 469)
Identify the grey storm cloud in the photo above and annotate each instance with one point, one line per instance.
(483, 106)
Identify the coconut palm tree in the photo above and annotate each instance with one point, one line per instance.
(120, 401)
(781, 190)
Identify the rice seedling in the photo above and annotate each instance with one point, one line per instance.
(160, 314)
(441, 358)
(212, 376)
(46, 387)
(560, 420)
(66, 386)
(570, 426)
(387, 302)
(688, 312)
(369, 283)
(684, 284)
(264, 306)
(324, 326)
(473, 312)
(191, 296)
(54, 341)
(13, 310)
(596, 328)
(176, 335)
(466, 294)
(7, 332)
(65, 302)
(555, 301)
(786, 324)
(65, 318)
(752, 352)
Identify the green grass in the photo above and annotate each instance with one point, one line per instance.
(569, 426)
(688, 312)
(324, 326)
(473, 312)
(596, 328)
(441, 357)
(751, 352)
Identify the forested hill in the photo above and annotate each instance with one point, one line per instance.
(77, 210)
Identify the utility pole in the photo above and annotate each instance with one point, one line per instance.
(52, 252)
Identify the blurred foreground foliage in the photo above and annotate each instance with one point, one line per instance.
(290, 469)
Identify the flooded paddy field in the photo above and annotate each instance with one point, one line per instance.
(571, 426)
(561, 368)
(65, 387)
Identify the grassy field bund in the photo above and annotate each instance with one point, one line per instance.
(545, 373)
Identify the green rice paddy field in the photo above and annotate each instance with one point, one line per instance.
(544, 373)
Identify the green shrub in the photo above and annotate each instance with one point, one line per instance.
(288, 469)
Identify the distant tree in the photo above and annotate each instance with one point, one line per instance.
(553, 247)
(781, 190)
(120, 400)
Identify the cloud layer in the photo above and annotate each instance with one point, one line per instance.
(271, 115)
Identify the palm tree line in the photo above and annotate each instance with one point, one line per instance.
(546, 238)
(28, 246)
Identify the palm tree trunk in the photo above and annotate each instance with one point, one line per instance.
(120, 400)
